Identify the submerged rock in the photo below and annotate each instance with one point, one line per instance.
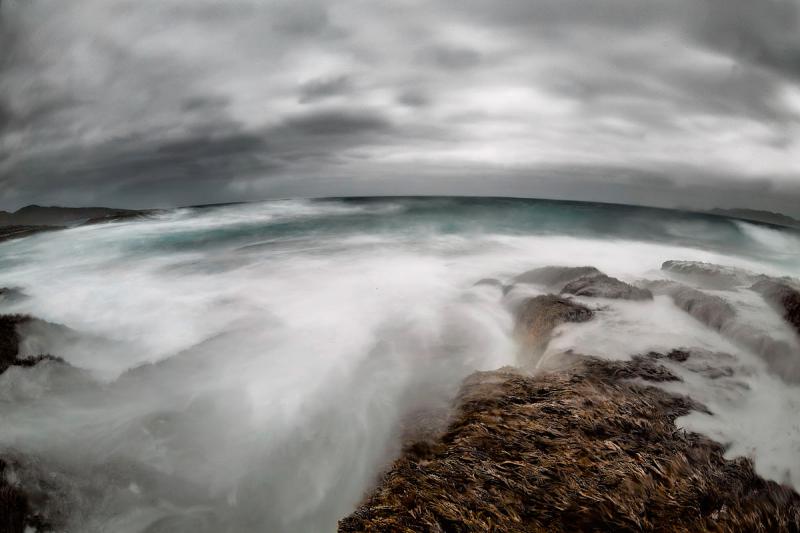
(603, 286)
(555, 276)
(709, 274)
(495, 283)
(577, 450)
(709, 309)
(781, 357)
(489, 282)
(783, 297)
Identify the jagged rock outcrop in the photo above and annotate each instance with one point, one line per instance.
(603, 286)
(576, 450)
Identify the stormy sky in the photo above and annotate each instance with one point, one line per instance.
(145, 103)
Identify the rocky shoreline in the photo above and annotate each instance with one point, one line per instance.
(579, 449)
(561, 442)
(581, 443)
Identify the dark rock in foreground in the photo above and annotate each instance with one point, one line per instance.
(574, 450)
(13, 505)
(602, 286)
(39, 506)
(10, 341)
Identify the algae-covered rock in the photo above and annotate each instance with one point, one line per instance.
(582, 449)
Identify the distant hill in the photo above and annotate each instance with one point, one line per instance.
(36, 215)
(756, 215)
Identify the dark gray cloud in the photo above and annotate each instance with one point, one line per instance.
(322, 88)
(192, 168)
(450, 57)
(761, 33)
(333, 123)
(157, 102)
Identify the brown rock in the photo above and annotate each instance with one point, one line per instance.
(576, 450)
(537, 317)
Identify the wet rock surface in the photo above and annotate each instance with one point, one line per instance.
(13, 504)
(9, 339)
(581, 449)
(711, 310)
(708, 274)
(23, 507)
(583, 444)
(39, 499)
(587, 445)
(537, 317)
(555, 276)
(603, 286)
(782, 357)
(784, 297)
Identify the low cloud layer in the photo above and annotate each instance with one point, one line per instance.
(166, 102)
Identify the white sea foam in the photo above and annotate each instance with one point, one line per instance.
(285, 360)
